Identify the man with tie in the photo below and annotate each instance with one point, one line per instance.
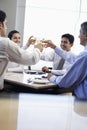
(59, 64)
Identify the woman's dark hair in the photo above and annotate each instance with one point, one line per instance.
(2, 16)
(10, 34)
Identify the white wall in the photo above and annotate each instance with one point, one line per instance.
(20, 16)
(15, 10)
(9, 6)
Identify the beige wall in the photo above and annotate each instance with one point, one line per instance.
(15, 10)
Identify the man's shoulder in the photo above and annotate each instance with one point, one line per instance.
(5, 39)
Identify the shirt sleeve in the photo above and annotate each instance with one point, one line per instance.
(24, 47)
(68, 56)
(74, 76)
(47, 54)
(21, 56)
(58, 72)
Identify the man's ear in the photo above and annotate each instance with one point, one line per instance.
(0, 25)
(86, 34)
(71, 44)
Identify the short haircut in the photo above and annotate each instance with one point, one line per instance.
(84, 27)
(2, 16)
(11, 33)
(69, 36)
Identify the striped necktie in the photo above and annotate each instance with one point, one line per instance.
(61, 63)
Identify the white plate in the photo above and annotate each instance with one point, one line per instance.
(41, 81)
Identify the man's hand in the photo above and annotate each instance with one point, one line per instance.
(45, 69)
(49, 43)
(49, 75)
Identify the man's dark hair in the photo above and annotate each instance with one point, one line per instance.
(69, 36)
(10, 34)
(84, 27)
(2, 16)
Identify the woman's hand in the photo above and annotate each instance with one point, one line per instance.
(31, 41)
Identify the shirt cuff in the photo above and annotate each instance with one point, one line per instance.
(53, 79)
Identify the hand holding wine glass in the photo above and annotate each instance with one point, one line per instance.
(49, 43)
(31, 41)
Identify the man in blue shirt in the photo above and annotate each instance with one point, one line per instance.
(76, 75)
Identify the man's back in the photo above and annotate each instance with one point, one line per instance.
(17, 54)
(3, 66)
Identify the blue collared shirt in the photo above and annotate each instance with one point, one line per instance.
(67, 55)
(76, 76)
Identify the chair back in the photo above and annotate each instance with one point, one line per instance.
(3, 66)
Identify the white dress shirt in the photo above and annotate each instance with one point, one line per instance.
(16, 54)
(15, 67)
(51, 55)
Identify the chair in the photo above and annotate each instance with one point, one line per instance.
(3, 66)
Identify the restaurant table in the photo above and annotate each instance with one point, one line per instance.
(23, 79)
(20, 111)
(20, 82)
